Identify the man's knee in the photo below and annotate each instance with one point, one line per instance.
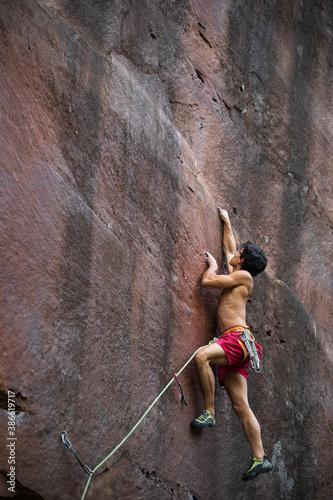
(201, 357)
(212, 354)
(241, 407)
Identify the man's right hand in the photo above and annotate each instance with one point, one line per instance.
(224, 216)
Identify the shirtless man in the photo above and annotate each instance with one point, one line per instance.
(228, 352)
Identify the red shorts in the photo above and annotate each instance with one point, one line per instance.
(235, 351)
(235, 355)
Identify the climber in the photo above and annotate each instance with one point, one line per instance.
(228, 351)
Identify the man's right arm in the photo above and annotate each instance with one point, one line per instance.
(229, 243)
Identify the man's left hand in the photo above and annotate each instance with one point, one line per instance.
(210, 260)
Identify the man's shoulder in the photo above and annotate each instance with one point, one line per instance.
(242, 274)
(243, 278)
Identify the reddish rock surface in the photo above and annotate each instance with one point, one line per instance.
(124, 125)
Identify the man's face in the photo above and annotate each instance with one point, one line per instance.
(236, 259)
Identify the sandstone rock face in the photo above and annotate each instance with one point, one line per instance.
(124, 125)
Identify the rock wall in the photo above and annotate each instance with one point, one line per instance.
(124, 125)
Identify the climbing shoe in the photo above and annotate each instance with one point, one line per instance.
(257, 468)
(206, 419)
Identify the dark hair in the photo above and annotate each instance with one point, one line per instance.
(255, 260)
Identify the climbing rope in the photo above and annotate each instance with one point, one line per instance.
(92, 472)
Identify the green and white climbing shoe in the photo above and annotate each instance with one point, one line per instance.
(257, 468)
(206, 419)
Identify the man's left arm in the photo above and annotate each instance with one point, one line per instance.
(211, 279)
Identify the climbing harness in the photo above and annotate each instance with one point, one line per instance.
(182, 397)
(69, 445)
(250, 344)
(92, 472)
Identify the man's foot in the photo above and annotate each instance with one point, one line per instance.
(206, 419)
(257, 468)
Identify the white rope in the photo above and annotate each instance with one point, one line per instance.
(137, 424)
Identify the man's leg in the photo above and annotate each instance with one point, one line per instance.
(236, 387)
(215, 355)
